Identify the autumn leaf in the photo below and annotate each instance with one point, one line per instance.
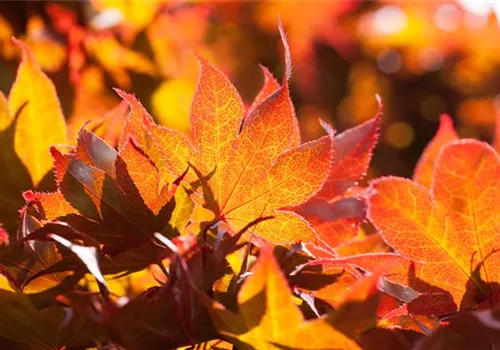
(424, 168)
(336, 211)
(40, 122)
(250, 166)
(29, 125)
(449, 230)
(259, 154)
(265, 304)
(171, 315)
(115, 198)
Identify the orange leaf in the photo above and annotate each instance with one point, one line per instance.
(270, 85)
(216, 115)
(249, 168)
(425, 166)
(142, 179)
(117, 198)
(334, 212)
(54, 204)
(40, 122)
(168, 148)
(268, 317)
(452, 229)
(352, 150)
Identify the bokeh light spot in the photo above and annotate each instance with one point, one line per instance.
(389, 61)
(400, 135)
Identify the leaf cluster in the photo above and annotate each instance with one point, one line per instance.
(238, 235)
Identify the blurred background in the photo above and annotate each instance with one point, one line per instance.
(424, 58)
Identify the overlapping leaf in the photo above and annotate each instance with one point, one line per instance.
(424, 169)
(29, 125)
(111, 198)
(172, 315)
(451, 230)
(265, 304)
(248, 166)
(40, 122)
(335, 211)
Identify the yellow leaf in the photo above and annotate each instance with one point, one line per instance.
(40, 122)
(268, 317)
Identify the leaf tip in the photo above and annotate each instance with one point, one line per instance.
(124, 95)
(27, 54)
(327, 127)
(288, 56)
(446, 124)
(30, 196)
(380, 104)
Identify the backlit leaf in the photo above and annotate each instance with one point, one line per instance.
(334, 211)
(41, 122)
(451, 230)
(116, 198)
(248, 167)
(265, 304)
(445, 134)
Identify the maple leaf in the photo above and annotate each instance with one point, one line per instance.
(35, 134)
(449, 230)
(265, 304)
(29, 125)
(425, 166)
(114, 199)
(335, 211)
(163, 316)
(250, 166)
